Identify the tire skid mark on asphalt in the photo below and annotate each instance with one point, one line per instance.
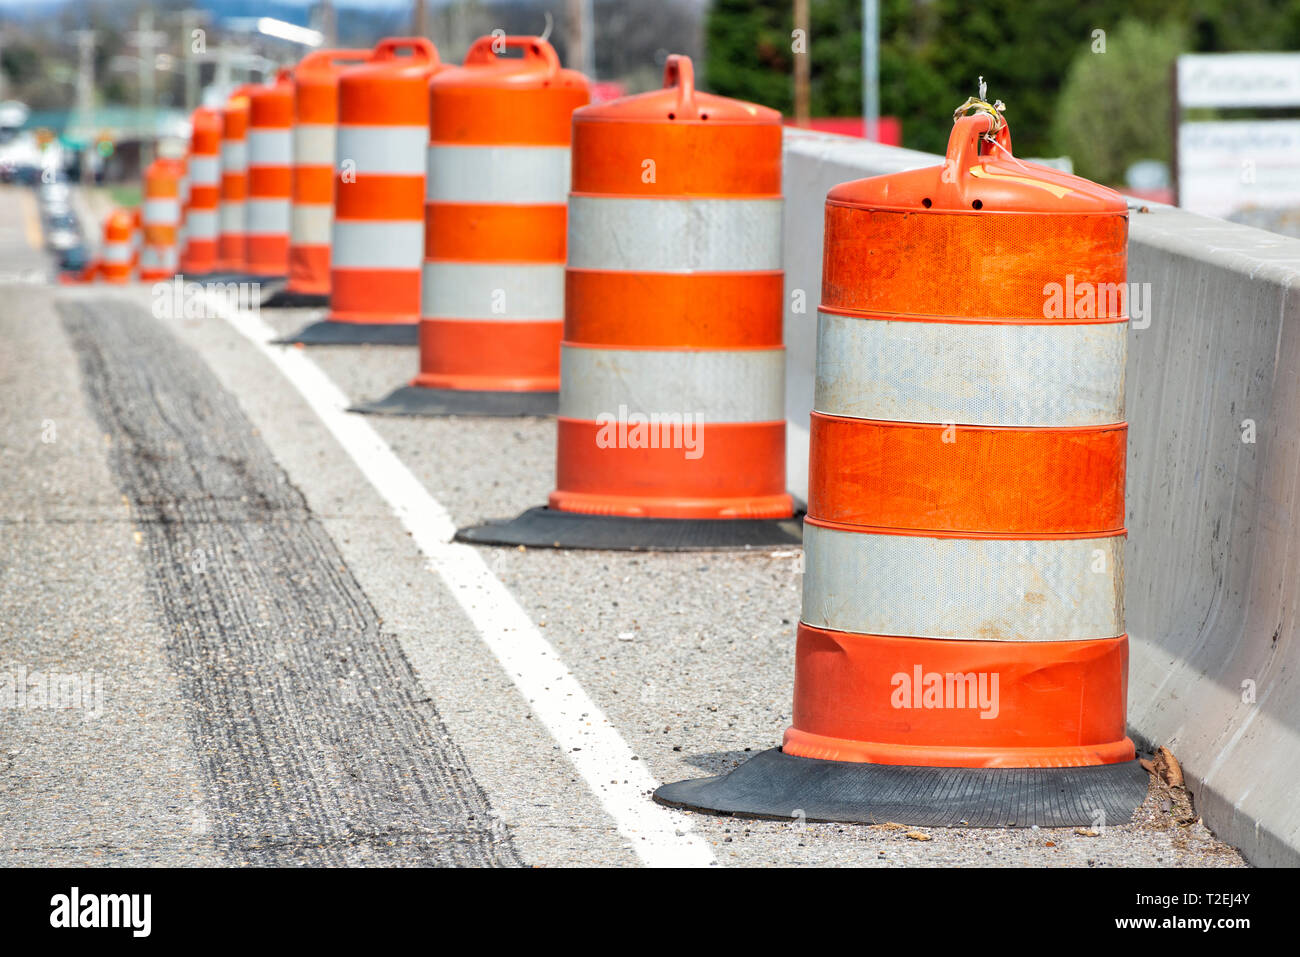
(316, 739)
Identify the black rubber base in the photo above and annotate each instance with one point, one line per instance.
(228, 277)
(330, 333)
(545, 528)
(283, 299)
(415, 400)
(782, 787)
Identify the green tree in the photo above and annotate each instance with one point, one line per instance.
(1114, 106)
(933, 51)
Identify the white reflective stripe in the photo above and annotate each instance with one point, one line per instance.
(722, 385)
(524, 175)
(116, 253)
(233, 217)
(268, 217)
(201, 223)
(310, 224)
(158, 257)
(234, 156)
(183, 190)
(161, 212)
(205, 170)
(674, 235)
(313, 144)
(270, 147)
(492, 291)
(979, 589)
(971, 374)
(359, 244)
(384, 150)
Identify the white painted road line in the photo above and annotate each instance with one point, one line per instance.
(659, 836)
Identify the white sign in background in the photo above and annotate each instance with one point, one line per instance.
(1240, 80)
(1227, 165)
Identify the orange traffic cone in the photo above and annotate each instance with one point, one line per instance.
(199, 251)
(492, 292)
(232, 228)
(961, 654)
(378, 233)
(116, 260)
(270, 169)
(315, 127)
(671, 429)
(160, 219)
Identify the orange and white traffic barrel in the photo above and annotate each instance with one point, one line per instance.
(672, 389)
(963, 593)
(160, 219)
(232, 225)
(377, 238)
(270, 171)
(311, 216)
(199, 252)
(492, 292)
(116, 257)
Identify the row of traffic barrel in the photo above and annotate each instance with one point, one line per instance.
(961, 655)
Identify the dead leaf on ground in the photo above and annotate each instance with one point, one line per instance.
(1167, 766)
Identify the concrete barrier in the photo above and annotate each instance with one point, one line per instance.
(1213, 557)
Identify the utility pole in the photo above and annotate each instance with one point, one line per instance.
(147, 40)
(581, 18)
(419, 19)
(871, 69)
(85, 75)
(327, 23)
(802, 66)
(190, 20)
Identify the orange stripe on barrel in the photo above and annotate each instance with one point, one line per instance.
(377, 197)
(374, 295)
(664, 483)
(472, 232)
(1055, 703)
(1015, 481)
(995, 266)
(688, 159)
(704, 310)
(465, 354)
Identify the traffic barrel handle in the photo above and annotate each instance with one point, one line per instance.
(484, 50)
(679, 72)
(965, 144)
(330, 58)
(421, 49)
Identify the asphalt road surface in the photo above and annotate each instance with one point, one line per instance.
(280, 659)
